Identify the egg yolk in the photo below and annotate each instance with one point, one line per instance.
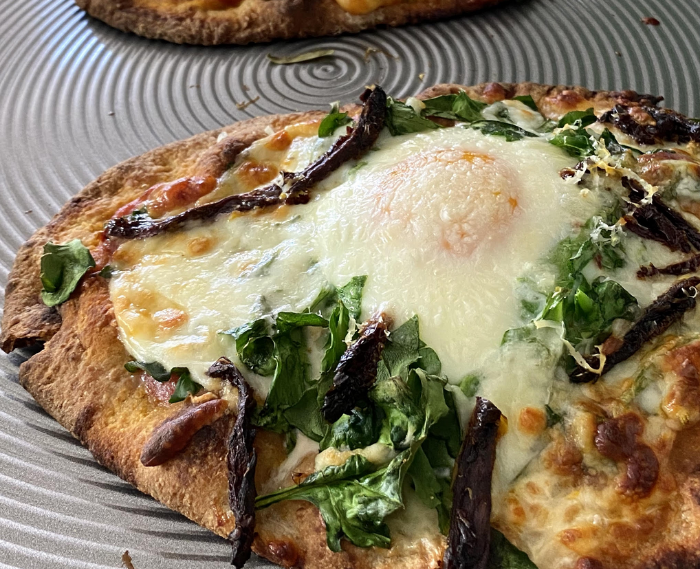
(463, 201)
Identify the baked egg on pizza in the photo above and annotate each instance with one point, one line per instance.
(454, 331)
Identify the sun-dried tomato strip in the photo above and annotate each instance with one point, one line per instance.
(242, 460)
(665, 125)
(469, 538)
(685, 267)
(296, 186)
(356, 371)
(659, 315)
(172, 435)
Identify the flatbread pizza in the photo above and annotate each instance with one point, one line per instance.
(458, 330)
(212, 22)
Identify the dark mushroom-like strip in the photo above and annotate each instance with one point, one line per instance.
(356, 371)
(469, 538)
(663, 125)
(296, 186)
(173, 434)
(242, 460)
(659, 315)
(685, 267)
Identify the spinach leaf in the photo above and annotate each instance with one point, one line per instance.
(504, 555)
(470, 384)
(527, 100)
(448, 428)
(458, 107)
(424, 480)
(332, 121)
(352, 499)
(107, 272)
(254, 346)
(583, 118)
(289, 382)
(588, 309)
(359, 429)
(185, 384)
(350, 295)
(62, 267)
(510, 131)
(402, 349)
(402, 119)
(429, 361)
(613, 146)
(576, 142)
(154, 369)
(335, 345)
(287, 321)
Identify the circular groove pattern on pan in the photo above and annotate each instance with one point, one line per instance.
(77, 97)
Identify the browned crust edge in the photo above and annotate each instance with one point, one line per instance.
(265, 20)
(79, 378)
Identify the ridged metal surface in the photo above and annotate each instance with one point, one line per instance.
(77, 97)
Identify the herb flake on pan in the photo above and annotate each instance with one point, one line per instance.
(62, 267)
(299, 58)
(333, 121)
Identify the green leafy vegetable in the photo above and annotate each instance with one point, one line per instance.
(456, 107)
(360, 429)
(588, 309)
(470, 384)
(185, 384)
(254, 346)
(528, 101)
(504, 555)
(332, 121)
(406, 407)
(62, 267)
(576, 140)
(106, 272)
(403, 119)
(351, 295)
(154, 369)
(424, 480)
(613, 146)
(583, 118)
(300, 58)
(510, 131)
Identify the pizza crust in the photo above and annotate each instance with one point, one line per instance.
(80, 380)
(263, 20)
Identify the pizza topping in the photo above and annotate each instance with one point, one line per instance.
(618, 440)
(685, 267)
(173, 434)
(356, 371)
(241, 460)
(294, 190)
(656, 319)
(62, 267)
(659, 222)
(332, 121)
(651, 125)
(185, 384)
(470, 531)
